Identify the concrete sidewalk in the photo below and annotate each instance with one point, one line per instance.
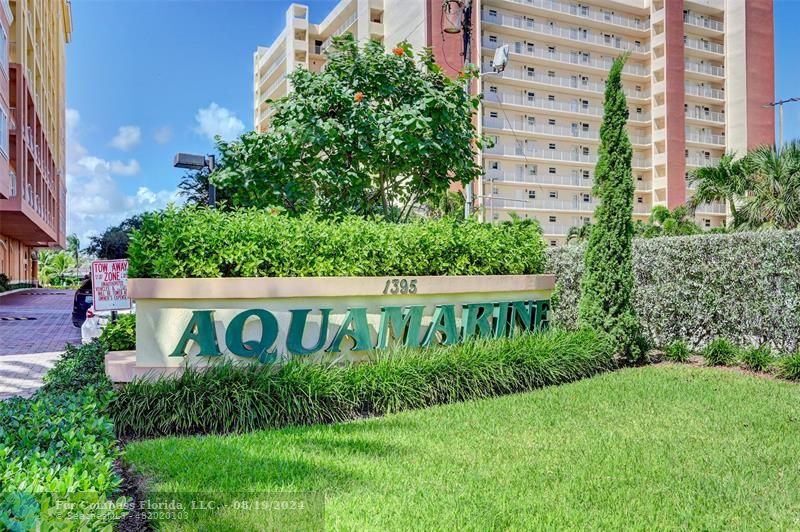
(21, 375)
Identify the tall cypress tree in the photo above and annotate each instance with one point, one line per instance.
(607, 283)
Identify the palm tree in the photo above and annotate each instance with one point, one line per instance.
(74, 248)
(54, 266)
(579, 233)
(664, 222)
(774, 193)
(727, 181)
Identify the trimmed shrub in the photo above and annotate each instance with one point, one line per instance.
(5, 282)
(120, 335)
(677, 351)
(740, 286)
(720, 352)
(231, 398)
(202, 242)
(757, 358)
(78, 367)
(789, 367)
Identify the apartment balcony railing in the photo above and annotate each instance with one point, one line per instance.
(712, 208)
(587, 13)
(703, 22)
(341, 29)
(273, 68)
(275, 84)
(548, 155)
(547, 105)
(573, 82)
(545, 129)
(544, 179)
(573, 34)
(555, 229)
(711, 116)
(543, 204)
(704, 137)
(704, 68)
(707, 92)
(572, 58)
(703, 45)
(701, 161)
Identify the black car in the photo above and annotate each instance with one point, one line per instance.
(82, 302)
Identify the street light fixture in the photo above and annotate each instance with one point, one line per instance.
(779, 105)
(191, 161)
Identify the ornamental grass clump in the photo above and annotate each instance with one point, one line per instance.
(757, 358)
(721, 352)
(678, 351)
(233, 398)
(788, 367)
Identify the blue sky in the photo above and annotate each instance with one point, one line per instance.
(148, 78)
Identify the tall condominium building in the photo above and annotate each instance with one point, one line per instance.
(32, 131)
(697, 78)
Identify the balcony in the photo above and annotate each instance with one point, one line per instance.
(587, 13)
(521, 178)
(703, 22)
(581, 35)
(573, 131)
(703, 45)
(572, 156)
(704, 92)
(704, 68)
(573, 82)
(701, 161)
(572, 58)
(574, 205)
(712, 208)
(704, 137)
(343, 27)
(551, 229)
(709, 116)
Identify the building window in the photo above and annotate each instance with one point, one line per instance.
(640, 200)
(495, 190)
(493, 114)
(3, 132)
(531, 47)
(533, 169)
(587, 198)
(495, 165)
(492, 12)
(551, 170)
(586, 174)
(551, 73)
(551, 49)
(551, 121)
(493, 89)
(553, 243)
(552, 146)
(553, 194)
(707, 222)
(551, 97)
(531, 194)
(552, 219)
(4, 49)
(493, 38)
(531, 96)
(531, 71)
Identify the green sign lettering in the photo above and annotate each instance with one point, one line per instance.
(444, 321)
(411, 322)
(200, 330)
(297, 328)
(476, 315)
(260, 349)
(356, 327)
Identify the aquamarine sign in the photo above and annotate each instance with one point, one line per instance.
(448, 325)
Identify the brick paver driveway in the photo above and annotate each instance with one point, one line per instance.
(35, 325)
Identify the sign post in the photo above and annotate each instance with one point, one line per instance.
(110, 285)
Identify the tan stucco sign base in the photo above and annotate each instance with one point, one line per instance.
(164, 308)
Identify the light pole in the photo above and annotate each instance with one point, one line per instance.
(198, 162)
(779, 105)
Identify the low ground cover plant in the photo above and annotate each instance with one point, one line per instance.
(721, 352)
(239, 399)
(58, 448)
(120, 335)
(202, 242)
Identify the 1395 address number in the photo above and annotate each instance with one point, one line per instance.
(400, 286)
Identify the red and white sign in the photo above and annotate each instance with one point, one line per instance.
(110, 285)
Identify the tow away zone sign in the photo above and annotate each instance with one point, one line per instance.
(110, 285)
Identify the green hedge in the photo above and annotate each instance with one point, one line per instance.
(201, 242)
(744, 287)
(120, 335)
(237, 399)
(60, 447)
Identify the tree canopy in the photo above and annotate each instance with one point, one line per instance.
(113, 242)
(373, 133)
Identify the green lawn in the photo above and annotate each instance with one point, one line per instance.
(650, 448)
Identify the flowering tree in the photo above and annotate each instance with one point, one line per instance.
(374, 133)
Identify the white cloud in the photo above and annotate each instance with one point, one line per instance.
(163, 134)
(127, 138)
(94, 198)
(215, 120)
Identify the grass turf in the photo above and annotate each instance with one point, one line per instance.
(648, 448)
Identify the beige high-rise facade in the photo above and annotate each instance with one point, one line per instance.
(698, 76)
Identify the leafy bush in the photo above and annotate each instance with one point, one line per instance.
(120, 335)
(678, 351)
(757, 358)
(78, 367)
(201, 242)
(789, 367)
(5, 282)
(740, 286)
(720, 352)
(231, 398)
(56, 447)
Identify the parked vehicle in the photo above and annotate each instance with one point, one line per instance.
(82, 302)
(96, 321)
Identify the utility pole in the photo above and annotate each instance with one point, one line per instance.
(779, 105)
(467, 54)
